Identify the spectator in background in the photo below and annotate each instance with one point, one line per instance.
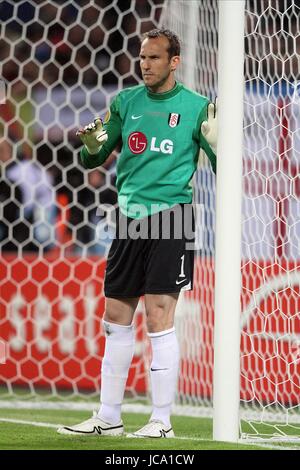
(10, 200)
(35, 205)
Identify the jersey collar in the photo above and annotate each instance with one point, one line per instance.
(167, 94)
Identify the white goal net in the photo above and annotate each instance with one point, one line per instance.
(61, 64)
(270, 297)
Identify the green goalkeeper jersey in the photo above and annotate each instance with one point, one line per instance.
(161, 138)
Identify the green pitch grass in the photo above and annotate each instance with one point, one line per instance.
(191, 433)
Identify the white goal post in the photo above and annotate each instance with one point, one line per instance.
(227, 332)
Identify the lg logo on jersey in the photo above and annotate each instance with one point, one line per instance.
(166, 146)
(137, 143)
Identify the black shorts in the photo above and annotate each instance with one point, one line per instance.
(154, 255)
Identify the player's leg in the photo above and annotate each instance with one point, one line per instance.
(124, 283)
(119, 348)
(160, 311)
(170, 264)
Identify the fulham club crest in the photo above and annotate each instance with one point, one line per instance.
(174, 119)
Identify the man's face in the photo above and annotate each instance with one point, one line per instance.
(155, 64)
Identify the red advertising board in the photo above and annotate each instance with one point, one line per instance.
(51, 330)
(50, 321)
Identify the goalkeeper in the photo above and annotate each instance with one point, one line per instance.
(162, 125)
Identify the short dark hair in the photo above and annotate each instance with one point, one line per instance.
(174, 43)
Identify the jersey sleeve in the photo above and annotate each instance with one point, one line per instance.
(114, 132)
(202, 141)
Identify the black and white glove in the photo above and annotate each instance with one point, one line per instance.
(93, 136)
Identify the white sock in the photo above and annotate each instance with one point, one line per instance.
(119, 348)
(163, 373)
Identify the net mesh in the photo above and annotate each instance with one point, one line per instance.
(61, 63)
(270, 296)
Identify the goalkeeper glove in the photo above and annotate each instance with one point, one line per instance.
(209, 128)
(93, 136)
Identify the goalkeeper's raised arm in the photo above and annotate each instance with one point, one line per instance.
(100, 138)
(93, 136)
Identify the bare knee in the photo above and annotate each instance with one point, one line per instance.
(120, 311)
(160, 310)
